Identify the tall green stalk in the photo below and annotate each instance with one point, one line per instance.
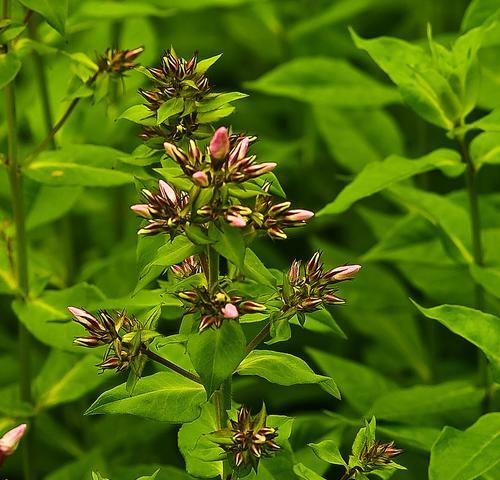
(478, 255)
(222, 397)
(18, 214)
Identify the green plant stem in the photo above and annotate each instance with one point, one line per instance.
(50, 137)
(222, 397)
(16, 186)
(477, 251)
(260, 337)
(172, 366)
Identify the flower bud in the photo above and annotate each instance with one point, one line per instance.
(259, 169)
(110, 363)
(194, 151)
(342, 273)
(201, 179)
(219, 145)
(131, 54)
(236, 221)
(239, 151)
(276, 232)
(230, 311)
(313, 264)
(298, 215)
(167, 191)
(90, 342)
(141, 209)
(85, 319)
(175, 153)
(294, 272)
(10, 441)
(251, 306)
(332, 298)
(188, 296)
(311, 303)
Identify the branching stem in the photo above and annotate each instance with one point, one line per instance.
(172, 366)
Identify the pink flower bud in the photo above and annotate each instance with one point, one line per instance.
(251, 306)
(314, 263)
(90, 342)
(167, 191)
(85, 319)
(236, 221)
(332, 298)
(141, 209)
(298, 215)
(175, 153)
(10, 441)
(260, 169)
(294, 272)
(219, 145)
(342, 273)
(276, 232)
(239, 151)
(230, 311)
(131, 54)
(201, 179)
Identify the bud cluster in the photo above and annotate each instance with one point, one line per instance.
(308, 286)
(176, 77)
(165, 210)
(107, 329)
(215, 307)
(248, 439)
(378, 455)
(116, 61)
(224, 161)
(188, 267)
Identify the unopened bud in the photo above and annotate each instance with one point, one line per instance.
(201, 179)
(10, 441)
(167, 191)
(141, 209)
(236, 221)
(175, 153)
(219, 145)
(342, 273)
(85, 319)
(251, 306)
(332, 298)
(90, 342)
(230, 311)
(276, 232)
(188, 296)
(131, 54)
(294, 272)
(298, 215)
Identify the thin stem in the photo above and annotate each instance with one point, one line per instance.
(41, 78)
(50, 137)
(477, 251)
(213, 268)
(16, 186)
(347, 475)
(171, 365)
(260, 337)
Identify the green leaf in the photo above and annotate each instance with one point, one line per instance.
(479, 328)
(488, 278)
(324, 317)
(164, 257)
(415, 404)
(254, 269)
(378, 176)
(54, 11)
(358, 137)
(65, 377)
(169, 108)
(48, 319)
(324, 81)
(194, 445)
(229, 243)
(477, 12)
(485, 148)
(328, 451)
(79, 165)
(216, 353)
(466, 455)
(206, 63)
(219, 100)
(51, 203)
(9, 67)
(284, 369)
(359, 384)
(122, 11)
(164, 397)
(139, 114)
(306, 473)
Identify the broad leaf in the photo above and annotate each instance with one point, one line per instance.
(54, 11)
(359, 385)
(9, 67)
(466, 455)
(284, 369)
(378, 176)
(329, 452)
(164, 397)
(216, 353)
(324, 81)
(481, 329)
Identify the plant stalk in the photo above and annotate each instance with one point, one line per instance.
(478, 255)
(16, 187)
(260, 337)
(50, 137)
(222, 397)
(171, 365)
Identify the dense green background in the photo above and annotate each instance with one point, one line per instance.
(318, 116)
